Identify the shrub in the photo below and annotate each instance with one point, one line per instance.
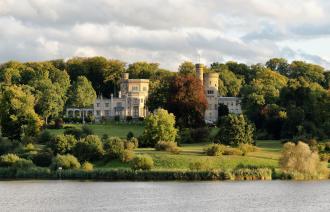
(199, 135)
(129, 135)
(5, 146)
(75, 131)
(215, 150)
(185, 137)
(198, 166)
(63, 144)
(127, 155)
(129, 118)
(232, 151)
(87, 166)
(117, 118)
(28, 151)
(159, 126)
(142, 162)
(114, 146)
(247, 148)
(90, 119)
(234, 130)
(66, 162)
(327, 147)
(325, 157)
(79, 133)
(129, 145)
(89, 148)
(168, 147)
(87, 130)
(300, 162)
(44, 158)
(135, 141)
(23, 164)
(45, 137)
(8, 160)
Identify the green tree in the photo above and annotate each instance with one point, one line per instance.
(187, 68)
(82, 94)
(142, 70)
(113, 76)
(50, 99)
(18, 118)
(327, 80)
(310, 72)
(229, 84)
(159, 95)
(279, 65)
(235, 130)
(159, 126)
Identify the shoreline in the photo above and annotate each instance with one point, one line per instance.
(117, 175)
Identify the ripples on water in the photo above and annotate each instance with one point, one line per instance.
(164, 196)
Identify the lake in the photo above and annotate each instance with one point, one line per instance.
(164, 196)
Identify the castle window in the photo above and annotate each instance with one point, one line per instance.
(106, 104)
(135, 88)
(135, 111)
(210, 91)
(98, 113)
(97, 104)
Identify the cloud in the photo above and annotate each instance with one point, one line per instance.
(166, 32)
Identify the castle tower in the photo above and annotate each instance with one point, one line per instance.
(199, 71)
(211, 83)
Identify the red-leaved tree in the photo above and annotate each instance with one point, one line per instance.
(187, 101)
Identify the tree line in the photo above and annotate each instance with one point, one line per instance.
(282, 99)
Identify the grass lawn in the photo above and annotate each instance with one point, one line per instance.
(112, 129)
(267, 155)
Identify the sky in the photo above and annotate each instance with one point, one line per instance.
(166, 31)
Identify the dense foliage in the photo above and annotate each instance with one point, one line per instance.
(235, 130)
(282, 99)
(159, 126)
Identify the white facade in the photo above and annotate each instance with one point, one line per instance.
(210, 82)
(131, 101)
(233, 104)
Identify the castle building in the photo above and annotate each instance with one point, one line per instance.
(131, 101)
(210, 83)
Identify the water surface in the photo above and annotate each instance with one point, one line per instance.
(164, 196)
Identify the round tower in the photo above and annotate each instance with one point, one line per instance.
(211, 81)
(199, 71)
